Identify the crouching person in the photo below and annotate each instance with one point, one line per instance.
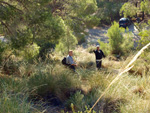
(99, 55)
(70, 62)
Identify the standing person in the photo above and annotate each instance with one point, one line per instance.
(99, 55)
(70, 61)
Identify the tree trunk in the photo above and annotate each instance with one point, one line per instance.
(143, 14)
(136, 4)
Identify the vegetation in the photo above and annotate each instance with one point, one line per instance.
(128, 10)
(109, 10)
(38, 33)
(118, 42)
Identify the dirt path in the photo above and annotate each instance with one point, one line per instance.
(95, 34)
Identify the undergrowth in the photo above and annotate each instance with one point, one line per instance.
(41, 81)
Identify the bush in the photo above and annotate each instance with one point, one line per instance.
(104, 47)
(68, 42)
(92, 21)
(119, 40)
(92, 96)
(77, 101)
(128, 10)
(145, 38)
(115, 38)
(30, 51)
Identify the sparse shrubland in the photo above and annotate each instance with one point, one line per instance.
(32, 78)
(38, 84)
(52, 80)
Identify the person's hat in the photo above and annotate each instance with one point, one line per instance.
(97, 45)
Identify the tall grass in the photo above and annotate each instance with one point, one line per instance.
(129, 94)
(56, 81)
(14, 96)
(14, 103)
(126, 69)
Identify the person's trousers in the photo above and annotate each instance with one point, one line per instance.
(98, 64)
(73, 68)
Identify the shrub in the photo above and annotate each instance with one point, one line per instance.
(128, 10)
(145, 38)
(119, 40)
(69, 41)
(92, 21)
(66, 82)
(115, 38)
(77, 101)
(104, 47)
(30, 51)
(92, 96)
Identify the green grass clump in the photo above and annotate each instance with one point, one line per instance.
(14, 103)
(40, 83)
(54, 82)
(12, 84)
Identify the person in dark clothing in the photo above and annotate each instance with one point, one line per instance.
(99, 55)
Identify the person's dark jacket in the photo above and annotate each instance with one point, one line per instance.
(99, 54)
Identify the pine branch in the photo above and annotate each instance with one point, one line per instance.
(6, 26)
(5, 3)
